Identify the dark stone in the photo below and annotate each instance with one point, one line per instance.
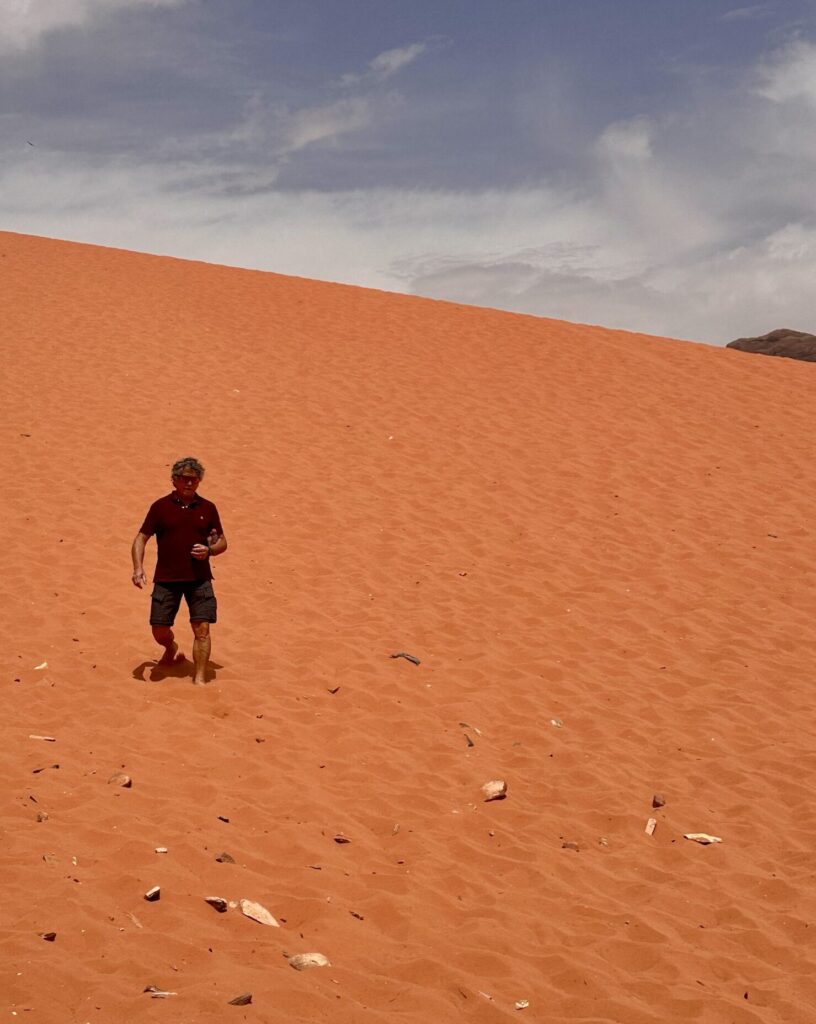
(225, 858)
(658, 800)
(781, 342)
(242, 1000)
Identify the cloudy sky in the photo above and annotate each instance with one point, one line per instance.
(647, 164)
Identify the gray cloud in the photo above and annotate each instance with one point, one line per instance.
(24, 23)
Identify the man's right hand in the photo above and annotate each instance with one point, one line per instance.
(139, 579)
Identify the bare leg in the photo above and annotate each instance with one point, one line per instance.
(201, 651)
(164, 635)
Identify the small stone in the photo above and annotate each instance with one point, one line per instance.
(496, 789)
(557, 723)
(242, 1000)
(603, 841)
(48, 936)
(42, 815)
(47, 739)
(341, 839)
(658, 800)
(651, 825)
(154, 894)
(222, 818)
(258, 913)
(225, 858)
(219, 904)
(120, 779)
(158, 993)
(569, 845)
(702, 837)
(161, 849)
(522, 1004)
(303, 961)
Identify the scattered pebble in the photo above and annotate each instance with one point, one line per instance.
(469, 741)
(658, 800)
(496, 789)
(48, 936)
(120, 779)
(242, 1000)
(522, 1004)
(702, 837)
(302, 961)
(222, 818)
(651, 825)
(161, 849)
(216, 902)
(158, 993)
(557, 723)
(225, 858)
(42, 815)
(257, 913)
(38, 667)
(36, 771)
(570, 845)
(408, 657)
(341, 839)
(603, 841)
(154, 894)
(47, 739)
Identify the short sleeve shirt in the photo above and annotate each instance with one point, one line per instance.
(177, 528)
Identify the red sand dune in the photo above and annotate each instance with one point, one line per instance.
(562, 522)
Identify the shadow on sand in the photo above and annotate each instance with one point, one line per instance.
(181, 668)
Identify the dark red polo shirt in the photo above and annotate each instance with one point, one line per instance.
(177, 528)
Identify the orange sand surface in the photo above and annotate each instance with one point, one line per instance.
(598, 544)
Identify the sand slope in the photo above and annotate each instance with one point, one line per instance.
(563, 523)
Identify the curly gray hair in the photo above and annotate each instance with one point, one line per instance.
(187, 463)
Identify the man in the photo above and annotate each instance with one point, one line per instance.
(188, 533)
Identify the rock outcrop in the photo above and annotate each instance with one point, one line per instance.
(781, 342)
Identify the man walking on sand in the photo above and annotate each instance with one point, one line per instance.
(188, 533)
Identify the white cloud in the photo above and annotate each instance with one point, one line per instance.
(317, 124)
(748, 13)
(626, 140)
(790, 74)
(391, 61)
(24, 22)
(386, 64)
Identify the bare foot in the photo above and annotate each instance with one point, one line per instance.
(199, 682)
(170, 656)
